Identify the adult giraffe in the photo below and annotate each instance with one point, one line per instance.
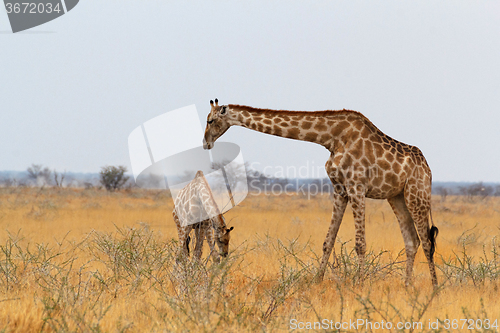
(364, 162)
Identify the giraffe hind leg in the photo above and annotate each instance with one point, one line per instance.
(184, 238)
(200, 237)
(418, 203)
(410, 236)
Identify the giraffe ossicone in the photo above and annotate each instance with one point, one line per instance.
(364, 163)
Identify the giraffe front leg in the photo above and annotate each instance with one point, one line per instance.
(211, 243)
(339, 206)
(357, 198)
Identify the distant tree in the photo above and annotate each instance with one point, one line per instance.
(88, 185)
(6, 182)
(39, 174)
(443, 192)
(113, 178)
(476, 190)
(59, 178)
(233, 173)
(257, 180)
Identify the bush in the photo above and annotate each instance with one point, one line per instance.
(113, 178)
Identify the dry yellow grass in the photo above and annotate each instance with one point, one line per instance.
(86, 260)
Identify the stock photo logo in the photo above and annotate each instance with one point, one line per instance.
(26, 14)
(166, 152)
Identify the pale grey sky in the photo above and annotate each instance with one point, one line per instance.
(425, 72)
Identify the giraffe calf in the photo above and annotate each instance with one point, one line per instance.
(193, 204)
(202, 230)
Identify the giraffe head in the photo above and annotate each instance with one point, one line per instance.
(222, 240)
(217, 124)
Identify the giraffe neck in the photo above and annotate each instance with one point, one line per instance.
(321, 127)
(210, 205)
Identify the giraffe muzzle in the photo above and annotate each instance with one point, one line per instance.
(207, 145)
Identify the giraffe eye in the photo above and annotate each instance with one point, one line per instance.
(210, 121)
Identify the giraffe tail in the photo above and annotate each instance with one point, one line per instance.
(433, 232)
(187, 244)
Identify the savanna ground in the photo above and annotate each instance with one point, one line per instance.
(88, 260)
